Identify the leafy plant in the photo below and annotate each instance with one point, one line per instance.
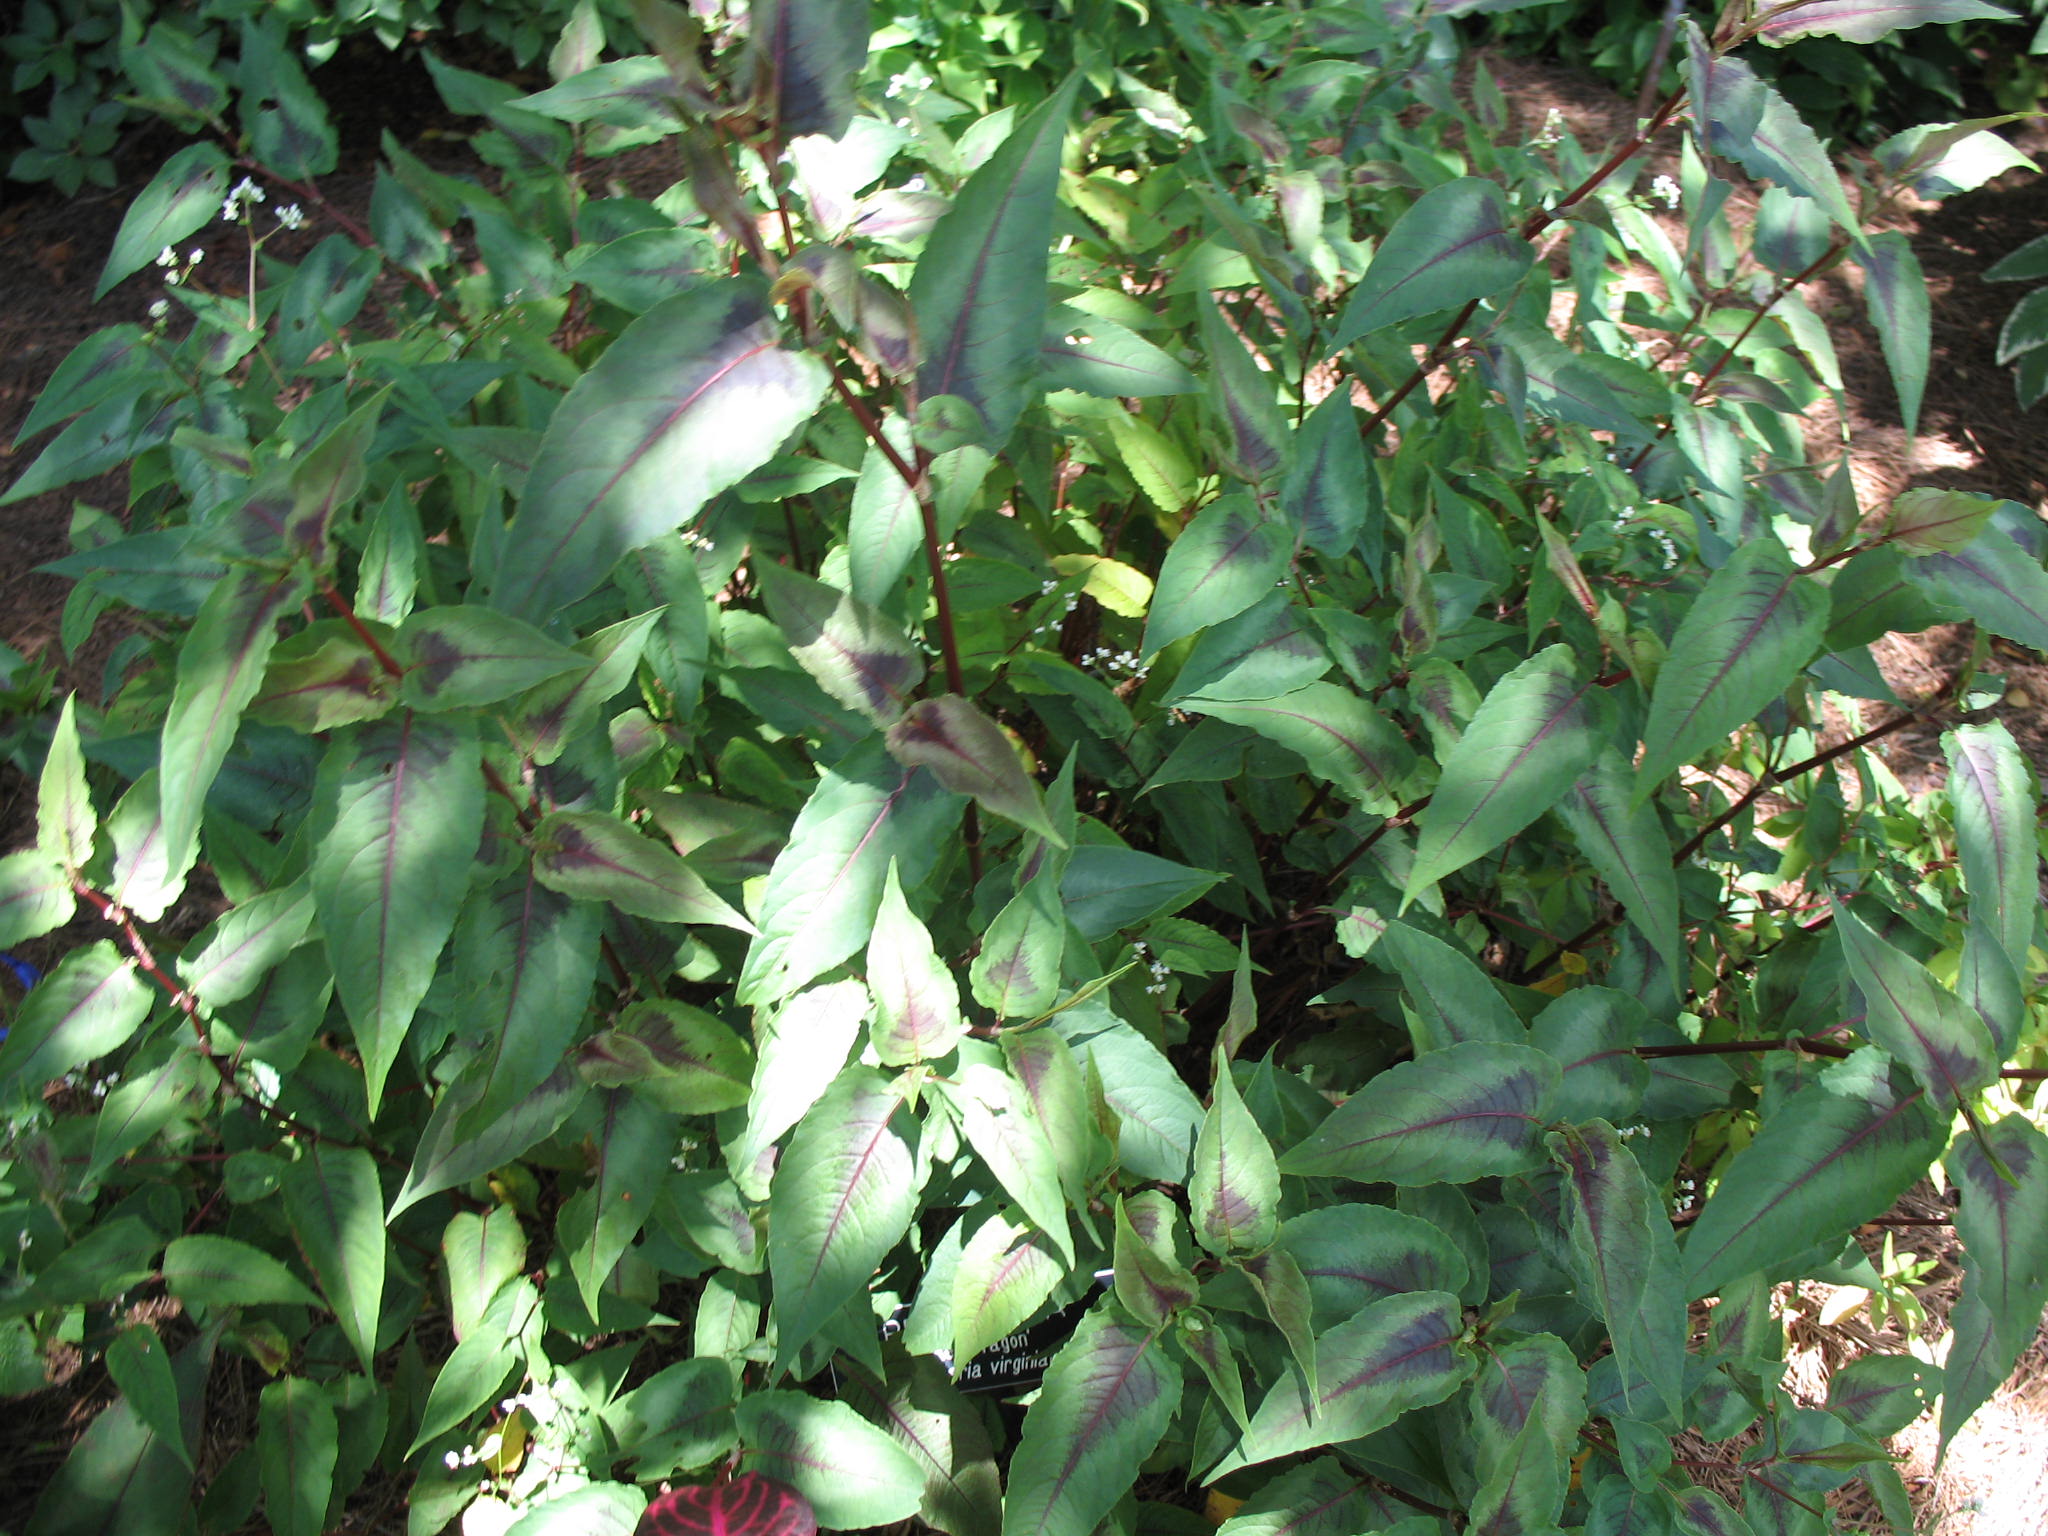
(1141, 731)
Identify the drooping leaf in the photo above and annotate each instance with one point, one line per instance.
(1256, 434)
(806, 57)
(1754, 126)
(917, 1001)
(681, 1058)
(220, 669)
(1534, 734)
(631, 1145)
(1235, 1186)
(141, 1367)
(843, 1195)
(692, 396)
(1996, 581)
(297, 1441)
(1456, 244)
(819, 903)
(89, 1005)
(448, 1155)
(1626, 1263)
(1926, 521)
(1821, 1164)
(1896, 292)
(1454, 1000)
(594, 857)
(1004, 1130)
(968, 753)
(389, 874)
(1398, 1354)
(1159, 1117)
(1451, 1116)
(1528, 1401)
(336, 1209)
(182, 198)
(1922, 1024)
(1992, 795)
(1866, 21)
(856, 655)
(1627, 845)
(65, 819)
(1745, 637)
(1006, 1272)
(850, 1472)
(464, 656)
(1342, 738)
(1225, 559)
(122, 1478)
(1046, 1067)
(979, 291)
(1152, 1280)
(1108, 1397)
(2005, 1261)
(749, 1505)
(476, 1369)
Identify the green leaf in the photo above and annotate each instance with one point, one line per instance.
(1820, 1165)
(842, 1197)
(679, 1417)
(1355, 1254)
(632, 1143)
(481, 1252)
(819, 904)
(163, 1099)
(1896, 292)
(1242, 393)
(35, 896)
(220, 1272)
(1006, 1272)
(1004, 1130)
(593, 857)
(1919, 1022)
(391, 870)
(691, 397)
(1155, 464)
(1455, 1001)
(65, 819)
(1234, 1189)
(1108, 1397)
(220, 669)
(547, 719)
(968, 753)
(1343, 739)
(296, 1444)
(1626, 1264)
(181, 199)
(1928, 521)
(1629, 850)
(1150, 1278)
(1995, 581)
(1592, 1033)
(1284, 1290)
(467, 656)
(856, 655)
(979, 292)
(1160, 1118)
(595, 1509)
(1528, 1401)
(141, 1367)
(1265, 652)
(806, 56)
(943, 1433)
(336, 1209)
(1225, 559)
(1016, 972)
(89, 1005)
(476, 1369)
(1319, 1498)
(675, 1056)
(122, 1478)
(1396, 1355)
(1867, 21)
(1758, 129)
(1743, 640)
(1099, 357)
(1992, 796)
(800, 1047)
(1456, 244)
(448, 1156)
(1045, 1064)
(2005, 1261)
(1879, 1395)
(1455, 1115)
(852, 1473)
(1330, 490)
(524, 958)
(917, 1001)
(1534, 734)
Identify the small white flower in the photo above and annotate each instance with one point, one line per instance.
(167, 257)
(159, 309)
(195, 255)
(451, 1461)
(1666, 190)
(291, 216)
(1552, 130)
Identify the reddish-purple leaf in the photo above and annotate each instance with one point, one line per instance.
(749, 1505)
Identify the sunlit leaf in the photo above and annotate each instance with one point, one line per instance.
(1456, 244)
(1922, 1024)
(2005, 1261)
(850, 1472)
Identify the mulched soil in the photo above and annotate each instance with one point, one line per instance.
(1994, 1481)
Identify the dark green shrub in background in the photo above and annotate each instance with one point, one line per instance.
(1150, 709)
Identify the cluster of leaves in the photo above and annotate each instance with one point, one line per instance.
(871, 777)
(84, 71)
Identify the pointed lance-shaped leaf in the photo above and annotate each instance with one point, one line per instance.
(979, 293)
(181, 199)
(1331, 491)
(1242, 392)
(141, 1367)
(1454, 1000)
(1354, 1254)
(692, 396)
(594, 857)
(846, 1469)
(943, 1432)
(465, 656)
(1455, 245)
(1289, 1303)
(1922, 1024)
(1820, 1165)
(1234, 1189)
(1896, 292)
(968, 753)
(1225, 559)
(749, 1505)
(1992, 797)
(1109, 1395)
(1754, 126)
(631, 1145)
(1016, 972)
(336, 1210)
(220, 669)
(1867, 21)
(35, 896)
(1004, 1130)
(1319, 1498)
(800, 1046)
(1996, 580)
(65, 819)
(1005, 1273)
(1151, 1280)
(1528, 1402)
(856, 655)
(843, 1195)
(1396, 1355)
(390, 872)
(917, 1001)
(807, 56)
(1628, 847)
(1929, 521)
(297, 1443)
(2002, 1219)
(680, 1058)
(88, 1006)
(1342, 737)
(1454, 1115)
(1745, 637)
